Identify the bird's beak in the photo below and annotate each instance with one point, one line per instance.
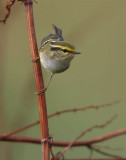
(76, 52)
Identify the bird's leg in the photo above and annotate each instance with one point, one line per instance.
(43, 90)
(49, 80)
(35, 59)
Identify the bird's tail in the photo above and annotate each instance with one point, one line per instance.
(58, 31)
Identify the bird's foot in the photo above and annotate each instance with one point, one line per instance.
(35, 59)
(41, 91)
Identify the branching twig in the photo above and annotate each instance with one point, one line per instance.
(61, 112)
(83, 108)
(107, 147)
(82, 134)
(92, 141)
(8, 8)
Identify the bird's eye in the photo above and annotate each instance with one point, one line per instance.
(65, 50)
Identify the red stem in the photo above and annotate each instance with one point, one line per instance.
(63, 144)
(38, 78)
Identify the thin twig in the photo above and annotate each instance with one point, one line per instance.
(8, 8)
(107, 147)
(61, 112)
(92, 141)
(83, 133)
(83, 108)
(22, 129)
(104, 153)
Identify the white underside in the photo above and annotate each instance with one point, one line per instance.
(55, 65)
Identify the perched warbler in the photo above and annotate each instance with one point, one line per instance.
(55, 53)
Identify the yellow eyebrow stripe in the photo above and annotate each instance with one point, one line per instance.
(63, 47)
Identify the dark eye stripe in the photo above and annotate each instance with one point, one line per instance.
(55, 48)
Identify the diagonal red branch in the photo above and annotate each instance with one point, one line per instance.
(22, 129)
(37, 71)
(38, 78)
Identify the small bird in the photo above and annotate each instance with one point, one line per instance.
(55, 54)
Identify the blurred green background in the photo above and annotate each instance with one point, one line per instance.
(98, 29)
